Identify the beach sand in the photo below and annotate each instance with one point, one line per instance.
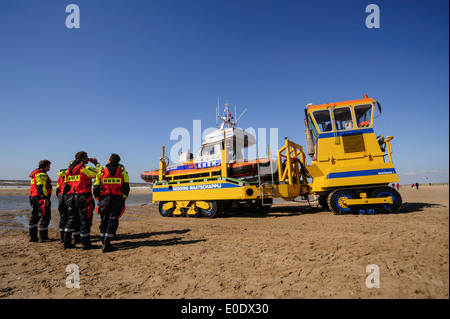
(292, 251)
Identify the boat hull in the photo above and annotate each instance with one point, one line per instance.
(248, 171)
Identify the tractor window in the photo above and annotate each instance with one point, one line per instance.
(312, 126)
(323, 120)
(343, 118)
(363, 115)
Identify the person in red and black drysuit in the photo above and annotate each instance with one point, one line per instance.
(62, 205)
(63, 209)
(111, 188)
(40, 192)
(80, 203)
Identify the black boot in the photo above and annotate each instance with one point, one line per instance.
(86, 243)
(77, 239)
(68, 240)
(43, 234)
(107, 247)
(33, 235)
(61, 240)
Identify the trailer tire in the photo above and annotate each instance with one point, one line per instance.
(386, 192)
(335, 201)
(165, 213)
(212, 212)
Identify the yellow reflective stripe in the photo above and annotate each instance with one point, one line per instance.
(91, 171)
(41, 179)
(111, 180)
(97, 179)
(73, 178)
(125, 177)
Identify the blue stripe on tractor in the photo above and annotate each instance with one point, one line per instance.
(342, 133)
(369, 172)
(194, 187)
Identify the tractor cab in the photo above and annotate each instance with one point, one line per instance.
(341, 126)
(340, 138)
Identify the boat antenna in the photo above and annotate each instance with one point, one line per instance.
(240, 116)
(217, 112)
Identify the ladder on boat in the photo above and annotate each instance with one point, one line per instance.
(266, 189)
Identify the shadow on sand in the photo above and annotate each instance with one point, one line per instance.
(132, 241)
(278, 211)
(292, 210)
(407, 208)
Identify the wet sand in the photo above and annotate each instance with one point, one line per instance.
(291, 251)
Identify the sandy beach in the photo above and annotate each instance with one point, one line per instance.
(291, 251)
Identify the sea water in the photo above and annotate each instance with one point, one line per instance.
(19, 207)
(22, 202)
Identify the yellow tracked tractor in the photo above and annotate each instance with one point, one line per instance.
(350, 172)
(351, 167)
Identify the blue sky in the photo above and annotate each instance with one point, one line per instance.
(135, 70)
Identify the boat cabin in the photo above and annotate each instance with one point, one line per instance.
(236, 141)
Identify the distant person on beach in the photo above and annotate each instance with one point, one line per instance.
(40, 192)
(398, 186)
(80, 203)
(111, 188)
(417, 185)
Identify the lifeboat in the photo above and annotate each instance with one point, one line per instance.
(207, 163)
(247, 170)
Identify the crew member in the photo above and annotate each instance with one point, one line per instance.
(63, 210)
(80, 203)
(111, 188)
(62, 205)
(40, 192)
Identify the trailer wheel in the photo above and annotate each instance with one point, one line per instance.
(197, 212)
(336, 201)
(211, 212)
(386, 192)
(165, 213)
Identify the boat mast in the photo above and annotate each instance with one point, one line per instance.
(227, 118)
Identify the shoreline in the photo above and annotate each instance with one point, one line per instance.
(25, 190)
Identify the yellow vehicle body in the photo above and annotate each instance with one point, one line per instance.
(195, 196)
(348, 155)
(208, 189)
(223, 189)
(350, 169)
